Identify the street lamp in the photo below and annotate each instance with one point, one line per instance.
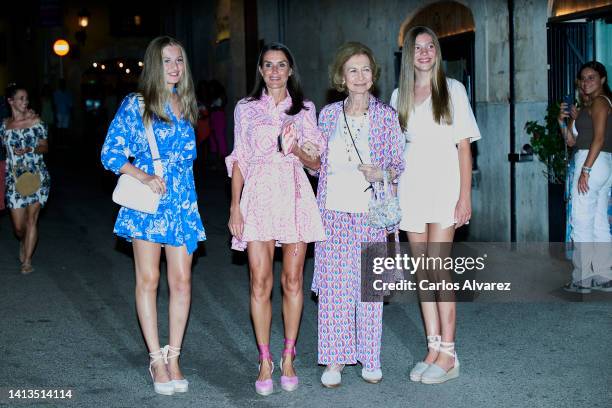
(83, 21)
(83, 18)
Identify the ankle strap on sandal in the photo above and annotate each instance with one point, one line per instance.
(433, 342)
(161, 354)
(289, 347)
(448, 348)
(172, 352)
(264, 352)
(157, 355)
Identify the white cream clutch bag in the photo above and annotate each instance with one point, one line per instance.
(133, 194)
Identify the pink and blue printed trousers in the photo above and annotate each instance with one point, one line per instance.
(350, 331)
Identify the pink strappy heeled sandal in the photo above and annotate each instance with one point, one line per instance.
(265, 387)
(288, 383)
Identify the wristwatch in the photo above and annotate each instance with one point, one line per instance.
(586, 169)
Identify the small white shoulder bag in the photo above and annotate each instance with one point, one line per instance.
(133, 194)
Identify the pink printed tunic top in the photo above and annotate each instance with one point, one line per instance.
(277, 201)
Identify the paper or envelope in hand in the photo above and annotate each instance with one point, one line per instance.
(288, 138)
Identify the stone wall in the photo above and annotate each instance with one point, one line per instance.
(314, 29)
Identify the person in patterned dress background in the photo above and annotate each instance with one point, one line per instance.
(168, 95)
(362, 138)
(25, 139)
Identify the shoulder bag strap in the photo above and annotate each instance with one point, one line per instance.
(350, 134)
(9, 149)
(157, 166)
(348, 128)
(607, 99)
(14, 165)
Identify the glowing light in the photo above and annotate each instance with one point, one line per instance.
(83, 18)
(61, 47)
(95, 65)
(121, 65)
(103, 66)
(127, 70)
(140, 64)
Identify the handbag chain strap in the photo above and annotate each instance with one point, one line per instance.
(348, 128)
(157, 166)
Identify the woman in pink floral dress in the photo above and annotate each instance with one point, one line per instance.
(272, 200)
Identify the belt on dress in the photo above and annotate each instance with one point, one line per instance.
(277, 158)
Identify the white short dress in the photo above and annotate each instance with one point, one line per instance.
(428, 188)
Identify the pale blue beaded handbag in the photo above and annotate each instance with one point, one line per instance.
(384, 208)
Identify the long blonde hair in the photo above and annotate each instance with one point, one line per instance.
(440, 98)
(152, 83)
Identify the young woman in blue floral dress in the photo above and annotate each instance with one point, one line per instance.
(167, 102)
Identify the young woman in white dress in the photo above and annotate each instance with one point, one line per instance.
(435, 188)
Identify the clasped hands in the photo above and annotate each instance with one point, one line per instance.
(374, 173)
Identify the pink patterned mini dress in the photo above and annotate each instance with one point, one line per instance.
(277, 201)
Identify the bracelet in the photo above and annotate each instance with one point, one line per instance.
(586, 169)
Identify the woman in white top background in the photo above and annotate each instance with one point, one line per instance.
(435, 188)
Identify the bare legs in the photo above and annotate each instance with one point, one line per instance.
(179, 282)
(146, 259)
(25, 224)
(261, 254)
(292, 280)
(439, 317)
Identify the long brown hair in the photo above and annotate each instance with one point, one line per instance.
(152, 83)
(440, 98)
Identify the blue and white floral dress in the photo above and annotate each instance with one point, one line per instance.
(31, 161)
(177, 220)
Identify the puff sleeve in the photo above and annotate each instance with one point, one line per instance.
(116, 148)
(240, 154)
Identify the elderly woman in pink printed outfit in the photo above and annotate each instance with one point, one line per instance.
(272, 200)
(362, 139)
